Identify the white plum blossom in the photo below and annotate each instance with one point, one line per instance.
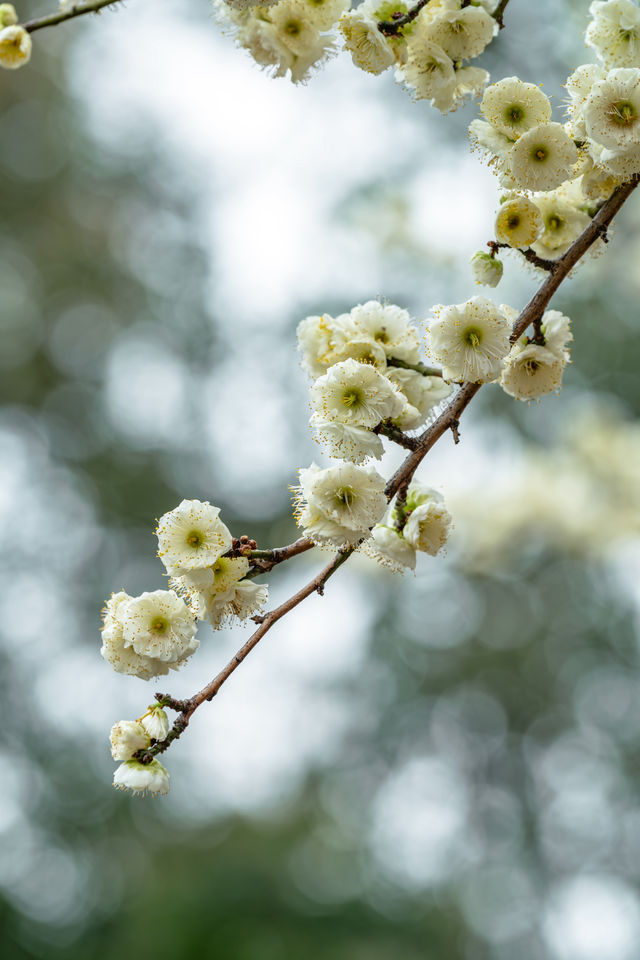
(512, 107)
(470, 339)
(461, 33)
(156, 722)
(423, 394)
(346, 442)
(614, 33)
(117, 651)
(487, 270)
(127, 737)
(340, 504)
(556, 332)
(388, 546)
(542, 158)
(208, 589)
(159, 625)
(518, 222)
(369, 48)
(389, 327)
(142, 778)
(531, 371)
(15, 47)
(191, 537)
(429, 522)
(611, 112)
(428, 72)
(356, 394)
(562, 223)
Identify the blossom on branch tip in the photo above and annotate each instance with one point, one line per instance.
(487, 270)
(531, 371)
(142, 778)
(370, 50)
(191, 537)
(470, 339)
(126, 738)
(340, 504)
(15, 47)
(612, 110)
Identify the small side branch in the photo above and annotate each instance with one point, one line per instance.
(77, 10)
(391, 28)
(388, 429)
(418, 367)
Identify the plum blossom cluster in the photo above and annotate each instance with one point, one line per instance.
(368, 381)
(429, 51)
(149, 635)
(556, 175)
(130, 738)
(472, 341)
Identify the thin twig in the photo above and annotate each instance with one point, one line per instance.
(498, 13)
(78, 10)
(418, 367)
(398, 484)
(392, 27)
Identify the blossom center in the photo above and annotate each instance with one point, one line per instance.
(473, 337)
(292, 28)
(514, 113)
(540, 153)
(554, 222)
(623, 113)
(195, 538)
(346, 496)
(531, 366)
(351, 397)
(382, 336)
(513, 221)
(159, 624)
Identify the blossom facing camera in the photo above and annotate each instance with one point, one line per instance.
(142, 778)
(191, 537)
(518, 223)
(339, 505)
(470, 340)
(513, 107)
(542, 158)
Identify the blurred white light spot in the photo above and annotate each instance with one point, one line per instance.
(593, 918)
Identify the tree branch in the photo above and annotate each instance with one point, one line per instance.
(418, 367)
(77, 10)
(498, 13)
(399, 482)
(391, 28)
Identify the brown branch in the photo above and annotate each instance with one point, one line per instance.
(387, 429)
(498, 13)
(398, 484)
(532, 312)
(391, 28)
(78, 10)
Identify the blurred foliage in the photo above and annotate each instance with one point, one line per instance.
(491, 759)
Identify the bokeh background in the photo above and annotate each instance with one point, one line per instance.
(443, 766)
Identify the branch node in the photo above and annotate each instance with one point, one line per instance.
(454, 426)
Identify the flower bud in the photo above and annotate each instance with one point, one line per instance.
(8, 15)
(486, 269)
(155, 722)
